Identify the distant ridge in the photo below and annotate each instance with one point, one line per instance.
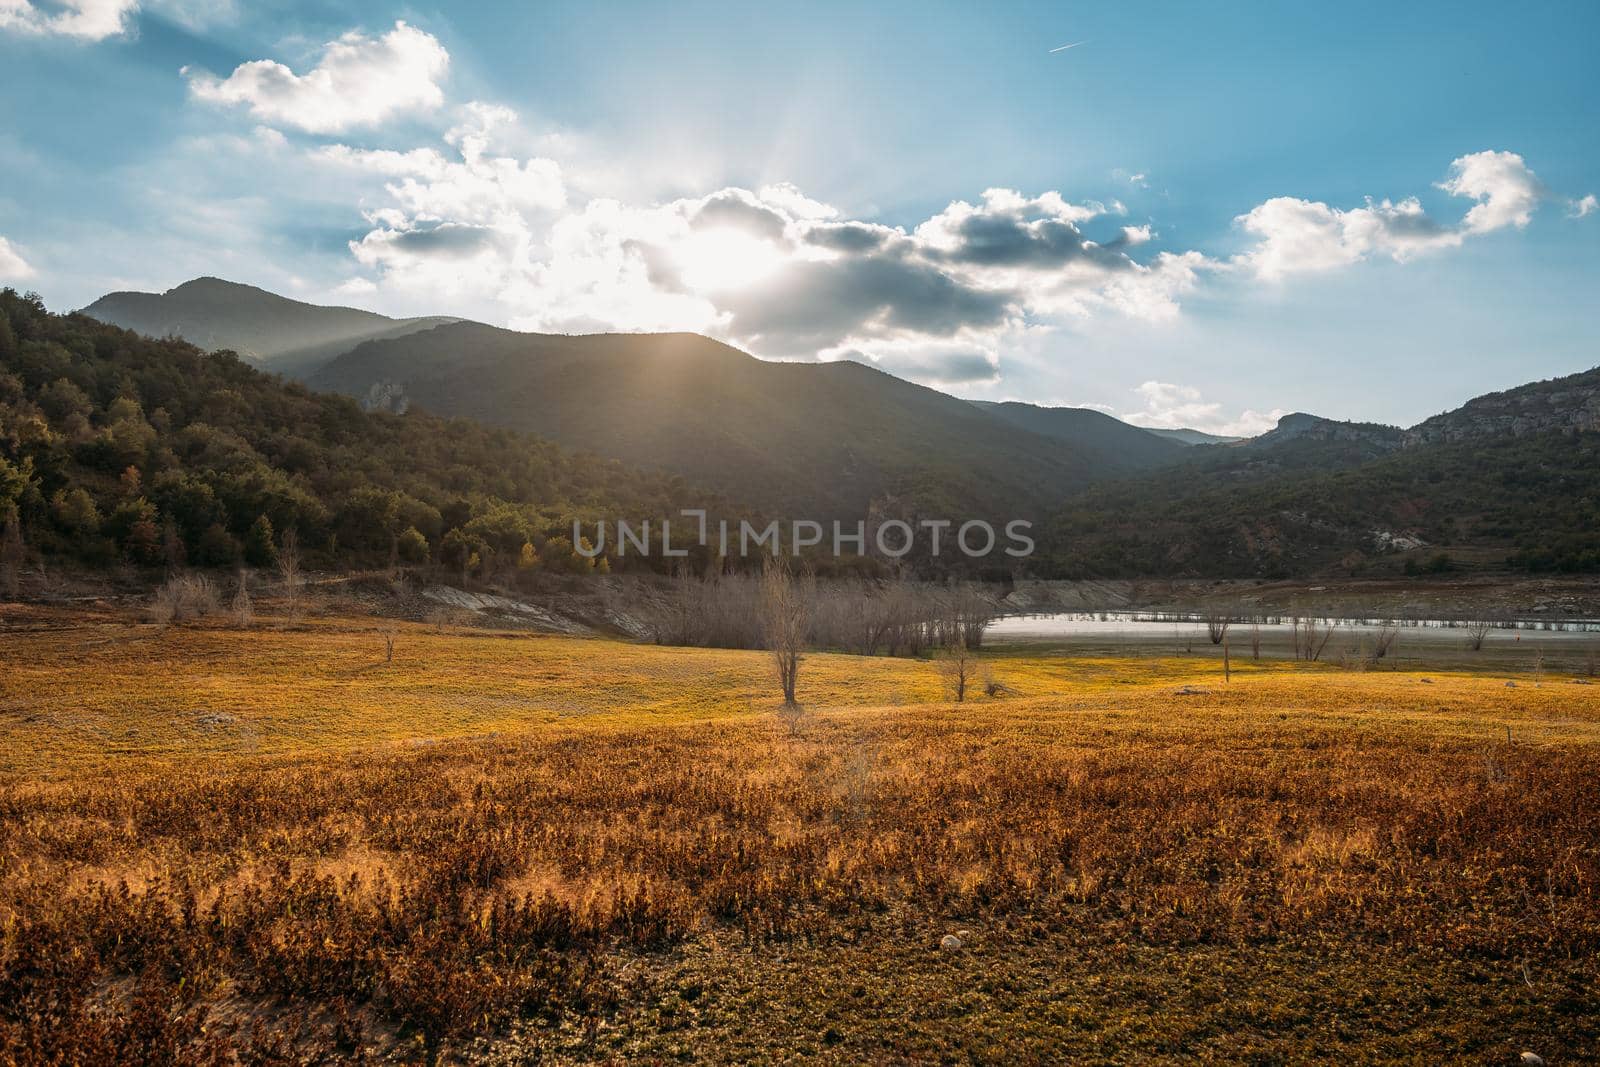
(843, 440)
(1569, 404)
(1192, 437)
(1123, 448)
(809, 439)
(268, 330)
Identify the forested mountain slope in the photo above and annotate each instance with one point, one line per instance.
(114, 446)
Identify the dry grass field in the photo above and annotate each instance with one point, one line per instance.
(278, 846)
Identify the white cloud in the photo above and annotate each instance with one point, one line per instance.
(1303, 236)
(88, 20)
(1583, 206)
(787, 198)
(484, 224)
(1171, 407)
(1506, 190)
(773, 269)
(96, 20)
(13, 268)
(358, 81)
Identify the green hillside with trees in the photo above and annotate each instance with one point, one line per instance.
(803, 439)
(1308, 507)
(116, 448)
(119, 449)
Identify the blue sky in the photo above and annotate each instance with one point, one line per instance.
(1170, 221)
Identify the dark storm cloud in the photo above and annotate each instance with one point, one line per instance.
(847, 236)
(1009, 240)
(814, 305)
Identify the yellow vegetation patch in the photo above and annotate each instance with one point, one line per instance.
(566, 848)
(74, 698)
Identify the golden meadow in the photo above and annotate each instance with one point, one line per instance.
(290, 845)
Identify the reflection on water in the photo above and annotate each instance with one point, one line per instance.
(1161, 624)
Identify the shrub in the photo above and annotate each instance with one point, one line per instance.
(188, 596)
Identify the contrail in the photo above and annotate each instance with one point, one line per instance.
(1064, 47)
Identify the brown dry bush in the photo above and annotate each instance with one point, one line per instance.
(454, 890)
(186, 596)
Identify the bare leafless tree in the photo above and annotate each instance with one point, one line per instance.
(959, 668)
(1478, 633)
(1255, 641)
(242, 607)
(967, 615)
(676, 620)
(1217, 624)
(1384, 641)
(786, 619)
(390, 629)
(1311, 638)
(289, 574)
(1319, 640)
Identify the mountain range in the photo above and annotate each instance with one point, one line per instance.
(1510, 478)
(821, 439)
(270, 331)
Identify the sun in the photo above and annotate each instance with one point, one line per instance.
(726, 259)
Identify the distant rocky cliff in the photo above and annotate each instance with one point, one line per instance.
(1301, 426)
(1569, 405)
(1566, 405)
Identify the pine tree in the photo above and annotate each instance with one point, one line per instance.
(260, 547)
(217, 548)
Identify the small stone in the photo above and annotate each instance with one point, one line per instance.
(1511, 685)
(964, 935)
(1532, 1059)
(950, 943)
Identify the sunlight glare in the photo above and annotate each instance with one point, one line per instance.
(726, 259)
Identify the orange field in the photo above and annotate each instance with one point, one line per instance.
(277, 845)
